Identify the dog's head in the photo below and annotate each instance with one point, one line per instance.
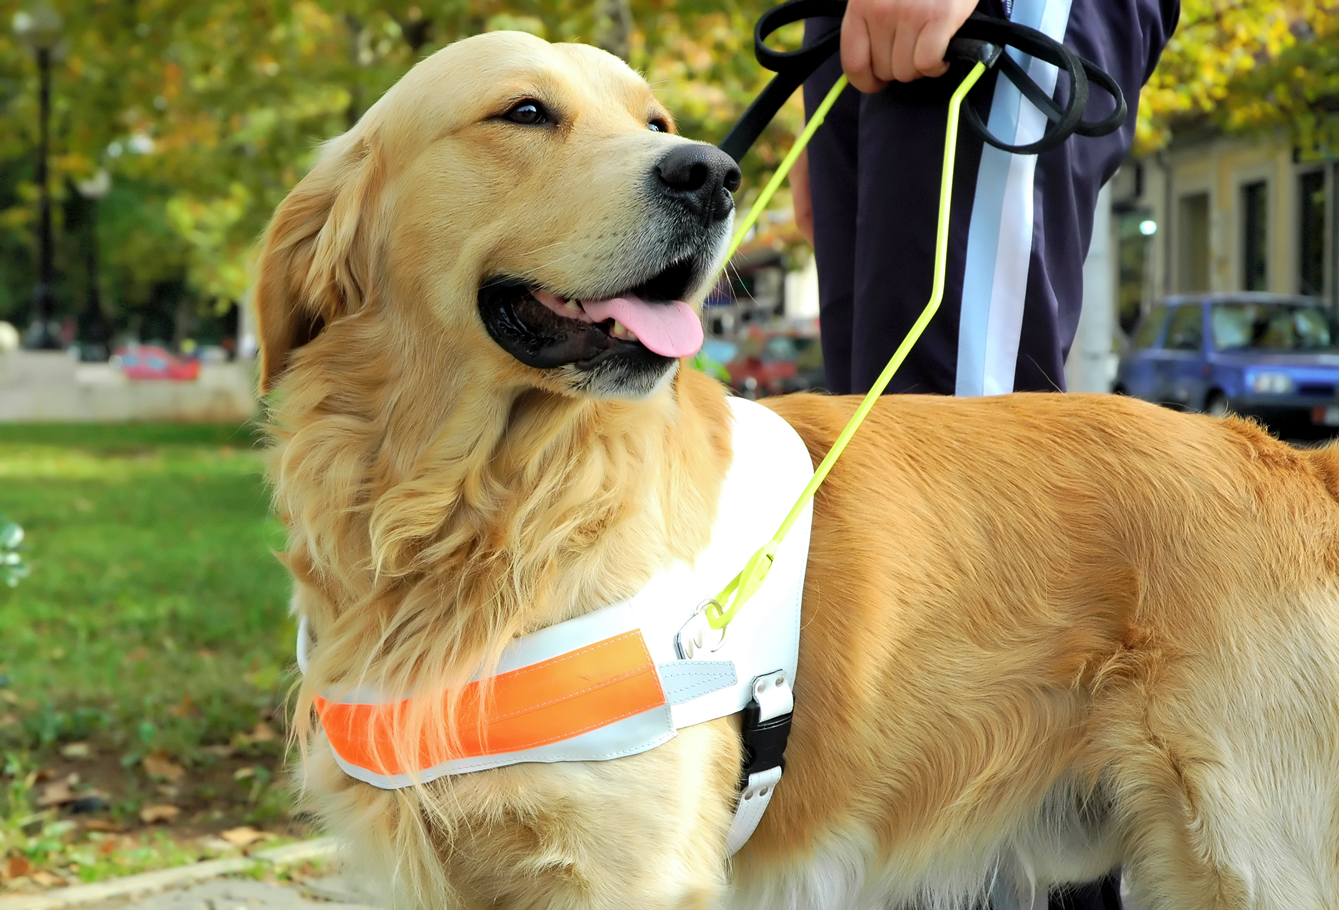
(525, 206)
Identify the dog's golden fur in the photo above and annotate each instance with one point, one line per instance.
(1043, 635)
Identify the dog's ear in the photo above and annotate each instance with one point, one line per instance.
(313, 266)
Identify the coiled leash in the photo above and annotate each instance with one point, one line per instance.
(981, 42)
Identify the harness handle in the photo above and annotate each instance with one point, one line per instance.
(981, 39)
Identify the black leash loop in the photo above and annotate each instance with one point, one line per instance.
(981, 38)
(791, 67)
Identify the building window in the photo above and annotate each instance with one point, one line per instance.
(1193, 231)
(1255, 236)
(1135, 232)
(1311, 233)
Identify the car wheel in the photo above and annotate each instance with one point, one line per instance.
(1216, 405)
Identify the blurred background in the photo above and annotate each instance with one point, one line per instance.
(145, 646)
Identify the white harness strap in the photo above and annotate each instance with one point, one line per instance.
(751, 669)
(775, 702)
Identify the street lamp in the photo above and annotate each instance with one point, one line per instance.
(94, 333)
(39, 29)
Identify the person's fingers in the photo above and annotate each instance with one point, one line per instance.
(901, 54)
(801, 200)
(931, 45)
(898, 40)
(855, 51)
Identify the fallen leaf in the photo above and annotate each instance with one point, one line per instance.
(182, 708)
(11, 697)
(47, 879)
(57, 793)
(102, 824)
(244, 774)
(160, 814)
(17, 867)
(262, 733)
(75, 750)
(243, 837)
(44, 774)
(157, 764)
(224, 751)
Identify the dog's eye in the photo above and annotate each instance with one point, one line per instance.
(527, 113)
(658, 126)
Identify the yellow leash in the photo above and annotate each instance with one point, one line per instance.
(723, 608)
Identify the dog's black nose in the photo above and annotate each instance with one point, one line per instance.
(701, 177)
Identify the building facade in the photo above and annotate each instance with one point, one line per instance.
(1223, 214)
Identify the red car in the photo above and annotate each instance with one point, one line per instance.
(150, 362)
(776, 362)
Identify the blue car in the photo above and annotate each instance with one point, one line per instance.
(1270, 357)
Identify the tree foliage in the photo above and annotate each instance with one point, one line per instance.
(206, 112)
(1249, 65)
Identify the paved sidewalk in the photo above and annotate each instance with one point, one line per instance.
(333, 893)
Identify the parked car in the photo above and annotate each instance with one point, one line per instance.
(141, 361)
(1271, 357)
(774, 362)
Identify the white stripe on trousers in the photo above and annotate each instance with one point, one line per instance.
(999, 238)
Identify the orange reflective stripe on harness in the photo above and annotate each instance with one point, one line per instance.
(543, 703)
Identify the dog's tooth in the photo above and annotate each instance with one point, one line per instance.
(573, 305)
(620, 329)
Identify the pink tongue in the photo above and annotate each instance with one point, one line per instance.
(670, 329)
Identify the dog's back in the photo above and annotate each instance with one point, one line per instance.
(1060, 634)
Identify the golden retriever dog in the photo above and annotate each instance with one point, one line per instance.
(1043, 635)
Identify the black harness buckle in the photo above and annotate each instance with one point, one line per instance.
(764, 741)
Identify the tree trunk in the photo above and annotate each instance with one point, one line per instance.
(613, 26)
(355, 108)
(415, 31)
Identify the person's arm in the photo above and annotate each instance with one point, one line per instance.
(799, 196)
(898, 40)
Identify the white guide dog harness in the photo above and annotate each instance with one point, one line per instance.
(623, 679)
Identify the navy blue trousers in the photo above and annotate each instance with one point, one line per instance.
(1020, 224)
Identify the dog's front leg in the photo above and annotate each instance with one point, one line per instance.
(642, 832)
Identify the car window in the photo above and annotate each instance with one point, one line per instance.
(1150, 330)
(1269, 327)
(1186, 333)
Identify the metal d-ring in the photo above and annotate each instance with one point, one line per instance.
(697, 634)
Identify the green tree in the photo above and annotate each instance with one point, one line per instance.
(1248, 65)
(206, 112)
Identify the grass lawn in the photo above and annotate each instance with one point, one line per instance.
(145, 661)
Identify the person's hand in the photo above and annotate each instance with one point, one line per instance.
(898, 40)
(800, 198)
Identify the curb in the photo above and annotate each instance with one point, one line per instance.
(164, 879)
